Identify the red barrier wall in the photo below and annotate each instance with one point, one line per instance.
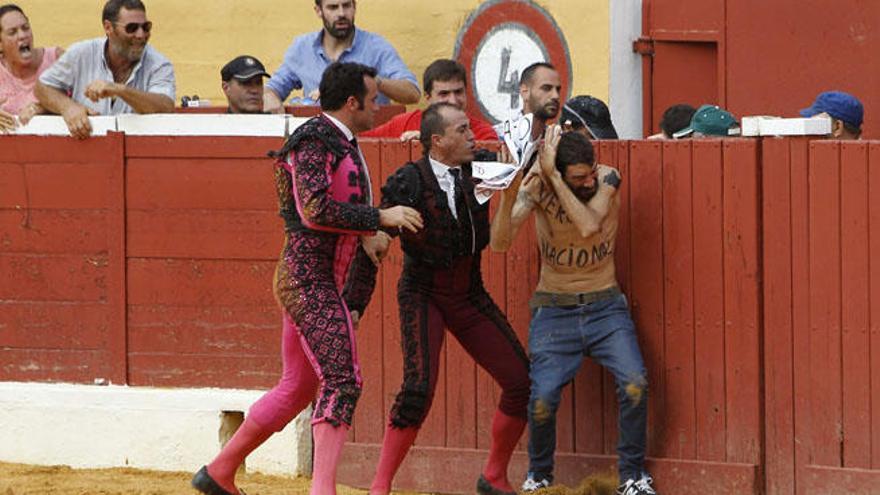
(822, 316)
(148, 260)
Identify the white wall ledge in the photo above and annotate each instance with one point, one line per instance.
(172, 124)
(89, 426)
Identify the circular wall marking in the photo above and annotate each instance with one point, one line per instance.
(497, 42)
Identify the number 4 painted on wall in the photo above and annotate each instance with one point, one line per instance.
(508, 84)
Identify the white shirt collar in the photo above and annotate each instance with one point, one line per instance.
(342, 127)
(440, 169)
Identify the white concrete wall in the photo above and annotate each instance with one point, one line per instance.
(86, 426)
(625, 91)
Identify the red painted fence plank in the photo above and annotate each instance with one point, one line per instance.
(708, 304)
(825, 305)
(778, 350)
(874, 294)
(646, 293)
(854, 296)
(800, 307)
(741, 301)
(678, 290)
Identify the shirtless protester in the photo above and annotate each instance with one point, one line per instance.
(578, 309)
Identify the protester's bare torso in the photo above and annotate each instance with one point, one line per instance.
(571, 263)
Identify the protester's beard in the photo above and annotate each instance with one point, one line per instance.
(338, 33)
(584, 193)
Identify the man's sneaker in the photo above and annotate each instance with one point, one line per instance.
(533, 484)
(637, 487)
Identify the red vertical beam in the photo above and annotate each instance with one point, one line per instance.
(392, 156)
(708, 300)
(646, 292)
(488, 393)
(495, 278)
(623, 267)
(778, 351)
(800, 303)
(874, 294)
(856, 350)
(116, 258)
(678, 244)
(741, 301)
(370, 414)
(616, 154)
(825, 304)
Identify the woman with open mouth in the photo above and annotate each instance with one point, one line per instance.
(21, 63)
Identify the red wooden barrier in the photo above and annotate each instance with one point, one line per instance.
(203, 237)
(148, 260)
(62, 259)
(821, 332)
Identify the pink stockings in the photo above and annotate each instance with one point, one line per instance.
(295, 390)
(506, 431)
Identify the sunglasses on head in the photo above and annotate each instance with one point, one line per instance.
(132, 27)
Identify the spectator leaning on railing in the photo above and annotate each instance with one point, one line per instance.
(339, 41)
(109, 76)
(21, 63)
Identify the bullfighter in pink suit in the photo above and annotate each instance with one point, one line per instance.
(323, 281)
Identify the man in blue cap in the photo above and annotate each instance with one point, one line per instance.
(845, 110)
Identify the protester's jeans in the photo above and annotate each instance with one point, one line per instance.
(559, 338)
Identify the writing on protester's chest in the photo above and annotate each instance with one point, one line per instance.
(548, 202)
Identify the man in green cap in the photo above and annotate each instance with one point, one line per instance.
(710, 120)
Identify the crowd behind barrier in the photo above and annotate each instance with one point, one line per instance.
(78, 86)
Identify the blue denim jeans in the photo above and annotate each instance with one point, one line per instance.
(559, 338)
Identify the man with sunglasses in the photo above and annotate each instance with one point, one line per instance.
(109, 76)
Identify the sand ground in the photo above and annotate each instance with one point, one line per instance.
(23, 479)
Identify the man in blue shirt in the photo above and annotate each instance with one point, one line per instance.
(339, 41)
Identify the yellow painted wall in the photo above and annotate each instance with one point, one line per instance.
(199, 37)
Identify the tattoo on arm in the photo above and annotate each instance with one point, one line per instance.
(613, 180)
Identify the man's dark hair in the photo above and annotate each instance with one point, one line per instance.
(342, 80)
(676, 118)
(443, 70)
(11, 7)
(573, 148)
(112, 8)
(529, 72)
(433, 123)
(855, 131)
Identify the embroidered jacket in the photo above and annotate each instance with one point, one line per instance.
(443, 239)
(323, 193)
